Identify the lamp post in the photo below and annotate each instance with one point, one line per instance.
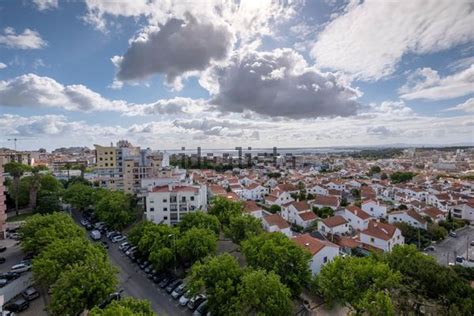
(174, 250)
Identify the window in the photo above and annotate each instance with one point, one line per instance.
(325, 259)
(165, 217)
(372, 240)
(152, 209)
(165, 200)
(151, 201)
(165, 209)
(192, 198)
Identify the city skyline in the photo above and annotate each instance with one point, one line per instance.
(222, 74)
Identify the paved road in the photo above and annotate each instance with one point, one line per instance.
(135, 283)
(447, 250)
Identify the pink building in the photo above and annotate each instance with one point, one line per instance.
(3, 207)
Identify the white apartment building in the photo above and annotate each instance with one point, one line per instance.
(168, 203)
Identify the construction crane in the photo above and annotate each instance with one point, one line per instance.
(14, 140)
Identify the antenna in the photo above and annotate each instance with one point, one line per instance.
(14, 140)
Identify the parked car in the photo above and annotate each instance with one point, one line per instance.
(123, 245)
(173, 285)
(15, 236)
(98, 225)
(158, 277)
(3, 282)
(184, 299)
(84, 222)
(95, 235)
(29, 256)
(430, 248)
(460, 259)
(131, 250)
(472, 243)
(112, 297)
(10, 276)
(20, 268)
(144, 264)
(148, 269)
(453, 234)
(167, 280)
(195, 301)
(30, 293)
(89, 227)
(18, 305)
(3, 248)
(118, 238)
(178, 291)
(201, 310)
(112, 234)
(2, 260)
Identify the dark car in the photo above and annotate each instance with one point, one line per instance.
(3, 282)
(10, 275)
(3, 248)
(89, 226)
(144, 264)
(157, 278)
(201, 310)
(17, 305)
(112, 297)
(167, 280)
(195, 301)
(173, 285)
(148, 268)
(30, 293)
(2, 260)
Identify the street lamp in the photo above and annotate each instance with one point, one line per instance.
(174, 250)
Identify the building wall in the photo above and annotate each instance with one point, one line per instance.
(374, 209)
(355, 222)
(3, 207)
(318, 259)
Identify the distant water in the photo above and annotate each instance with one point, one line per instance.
(256, 151)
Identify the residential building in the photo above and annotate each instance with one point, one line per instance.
(276, 223)
(381, 236)
(356, 217)
(322, 251)
(334, 225)
(326, 201)
(374, 208)
(254, 191)
(3, 207)
(169, 203)
(409, 217)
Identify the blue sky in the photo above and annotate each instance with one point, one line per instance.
(224, 73)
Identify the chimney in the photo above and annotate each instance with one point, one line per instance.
(307, 244)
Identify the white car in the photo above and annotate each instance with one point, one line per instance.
(123, 245)
(20, 268)
(84, 222)
(183, 300)
(118, 238)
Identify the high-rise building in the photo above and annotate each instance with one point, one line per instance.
(3, 207)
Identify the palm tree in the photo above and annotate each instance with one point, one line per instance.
(34, 186)
(68, 167)
(16, 170)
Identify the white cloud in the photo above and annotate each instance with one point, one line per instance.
(426, 83)
(467, 106)
(370, 37)
(29, 39)
(46, 4)
(279, 84)
(3, 66)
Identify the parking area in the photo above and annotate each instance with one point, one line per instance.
(447, 250)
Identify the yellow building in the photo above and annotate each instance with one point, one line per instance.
(106, 157)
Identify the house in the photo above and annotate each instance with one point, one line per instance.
(367, 193)
(464, 210)
(253, 209)
(381, 236)
(346, 245)
(333, 225)
(278, 197)
(356, 217)
(317, 190)
(276, 223)
(287, 187)
(374, 208)
(254, 191)
(409, 217)
(336, 184)
(299, 213)
(434, 213)
(326, 201)
(322, 251)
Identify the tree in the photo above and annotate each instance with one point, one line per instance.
(39, 231)
(323, 212)
(35, 183)
(196, 244)
(81, 287)
(262, 293)
(68, 167)
(79, 195)
(61, 255)
(127, 306)
(437, 232)
(48, 202)
(383, 176)
(224, 209)
(16, 170)
(355, 193)
(374, 170)
(275, 208)
(51, 184)
(356, 282)
(310, 196)
(398, 176)
(22, 195)
(115, 210)
(219, 277)
(242, 227)
(199, 220)
(276, 252)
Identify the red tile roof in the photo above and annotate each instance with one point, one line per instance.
(334, 221)
(326, 200)
(380, 230)
(357, 211)
(276, 220)
(311, 244)
(308, 216)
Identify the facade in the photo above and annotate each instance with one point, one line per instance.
(322, 251)
(276, 223)
(356, 217)
(409, 217)
(334, 225)
(3, 207)
(374, 208)
(167, 204)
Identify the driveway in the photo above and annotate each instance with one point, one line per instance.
(447, 250)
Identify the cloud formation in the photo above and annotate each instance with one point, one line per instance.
(426, 83)
(176, 47)
(29, 39)
(46, 4)
(467, 106)
(279, 84)
(369, 38)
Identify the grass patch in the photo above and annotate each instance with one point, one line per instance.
(18, 218)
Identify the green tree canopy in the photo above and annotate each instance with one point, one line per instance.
(196, 244)
(40, 231)
(48, 202)
(16, 170)
(242, 227)
(199, 220)
(399, 176)
(262, 293)
(79, 196)
(276, 252)
(127, 306)
(224, 209)
(275, 208)
(115, 209)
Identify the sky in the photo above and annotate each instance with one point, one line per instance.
(223, 73)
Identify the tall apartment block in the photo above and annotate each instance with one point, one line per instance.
(3, 207)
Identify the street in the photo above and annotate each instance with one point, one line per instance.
(134, 282)
(447, 250)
